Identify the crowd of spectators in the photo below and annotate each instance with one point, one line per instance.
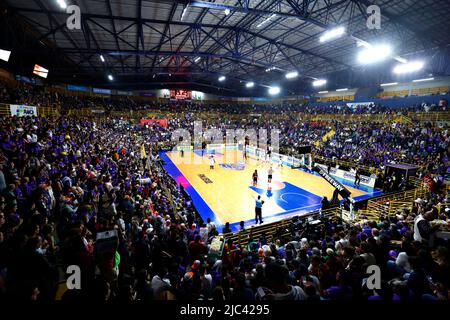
(64, 181)
(23, 93)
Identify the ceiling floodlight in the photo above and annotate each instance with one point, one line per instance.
(332, 34)
(408, 67)
(291, 75)
(274, 90)
(320, 82)
(374, 54)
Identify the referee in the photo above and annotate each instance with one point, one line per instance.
(258, 210)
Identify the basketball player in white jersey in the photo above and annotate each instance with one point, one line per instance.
(269, 175)
(212, 161)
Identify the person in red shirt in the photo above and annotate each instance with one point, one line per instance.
(197, 249)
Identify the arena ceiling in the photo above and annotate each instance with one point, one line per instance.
(153, 44)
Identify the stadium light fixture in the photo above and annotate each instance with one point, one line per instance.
(323, 91)
(266, 20)
(422, 80)
(274, 90)
(197, 59)
(362, 43)
(408, 67)
(102, 58)
(62, 4)
(222, 78)
(227, 11)
(184, 12)
(110, 77)
(319, 82)
(250, 84)
(332, 34)
(374, 54)
(400, 59)
(291, 75)
(388, 84)
(343, 89)
(4, 55)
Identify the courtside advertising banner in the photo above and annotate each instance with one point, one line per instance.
(22, 110)
(365, 180)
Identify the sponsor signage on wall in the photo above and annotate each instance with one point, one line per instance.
(77, 88)
(340, 188)
(124, 93)
(22, 110)
(101, 91)
(365, 180)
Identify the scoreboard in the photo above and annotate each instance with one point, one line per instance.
(181, 94)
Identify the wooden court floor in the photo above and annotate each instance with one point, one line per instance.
(227, 189)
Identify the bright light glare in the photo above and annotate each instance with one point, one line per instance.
(250, 84)
(227, 11)
(102, 58)
(323, 92)
(4, 55)
(400, 59)
(274, 90)
(332, 34)
(408, 67)
(291, 75)
(62, 4)
(374, 54)
(343, 89)
(184, 12)
(197, 59)
(389, 84)
(319, 82)
(110, 77)
(222, 78)
(422, 80)
(267, 20)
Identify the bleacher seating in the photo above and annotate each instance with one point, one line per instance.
(414, 92)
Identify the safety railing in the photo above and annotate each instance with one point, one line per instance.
(410, 117)
(430, 116)
(392, 203)
(364, 215)
(47, 112)
(385, 118)
(279, 228)
(4, 109)
(41, 111)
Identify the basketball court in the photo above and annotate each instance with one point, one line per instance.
(226, 193)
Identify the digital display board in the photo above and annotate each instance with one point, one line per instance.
(180, 94)
(40, 71)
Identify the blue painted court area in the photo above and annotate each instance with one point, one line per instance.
(290, 197)
(202, 207)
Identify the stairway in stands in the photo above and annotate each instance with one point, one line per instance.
(326, 137)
